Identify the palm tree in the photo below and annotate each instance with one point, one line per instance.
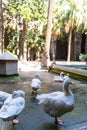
(70, 16)
(75, 14)
(1, 30)
(46, 57)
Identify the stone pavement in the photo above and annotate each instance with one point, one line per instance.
(33, 116)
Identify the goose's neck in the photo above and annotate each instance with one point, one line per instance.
(66, 89)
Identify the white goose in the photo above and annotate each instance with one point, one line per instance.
(66, 76)
(3, 97)
(36, 83)
(58, 103)
(13, 106)
(59, 78)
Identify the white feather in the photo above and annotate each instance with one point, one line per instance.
(12, 107)
(58, 103)
(3, 97)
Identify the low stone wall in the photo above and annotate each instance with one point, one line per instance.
(74, 73)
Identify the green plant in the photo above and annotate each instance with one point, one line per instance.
(83, 57)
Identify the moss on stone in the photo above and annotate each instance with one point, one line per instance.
(72, 75)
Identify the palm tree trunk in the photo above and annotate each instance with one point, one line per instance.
(1, 28)
(69, 44)
(46, 57)
(22, 43)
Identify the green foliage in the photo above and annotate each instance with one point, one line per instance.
(5, 50)
(13, 41)
(34, 38)
(34, 12)
(83, 57)
(65, 11)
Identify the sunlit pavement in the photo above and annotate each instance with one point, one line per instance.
(29, 66)
(33, 116)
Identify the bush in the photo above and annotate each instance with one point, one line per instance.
(83, 57)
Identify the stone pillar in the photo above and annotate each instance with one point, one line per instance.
(77, 46)
(53, 48)
(86, 45)
(1, 28)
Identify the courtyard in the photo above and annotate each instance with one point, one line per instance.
(33, 117)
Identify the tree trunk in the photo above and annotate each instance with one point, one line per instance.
(24, 53)
(46, 57)
(69, 44)
(6, 37)
(22, 44)
(1, 28)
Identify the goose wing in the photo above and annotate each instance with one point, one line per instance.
(45, 97)
(3, 95)
(12, 109)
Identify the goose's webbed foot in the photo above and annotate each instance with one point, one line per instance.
(58, 121)
(15, 121)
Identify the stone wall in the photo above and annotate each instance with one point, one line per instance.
(77, 47)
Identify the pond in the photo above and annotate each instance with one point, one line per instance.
(34, 118)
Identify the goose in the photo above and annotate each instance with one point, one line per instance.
(3, 97)
(13, 106)
(36, 83)
(66, 76)
(58, 103)
(59, 78)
